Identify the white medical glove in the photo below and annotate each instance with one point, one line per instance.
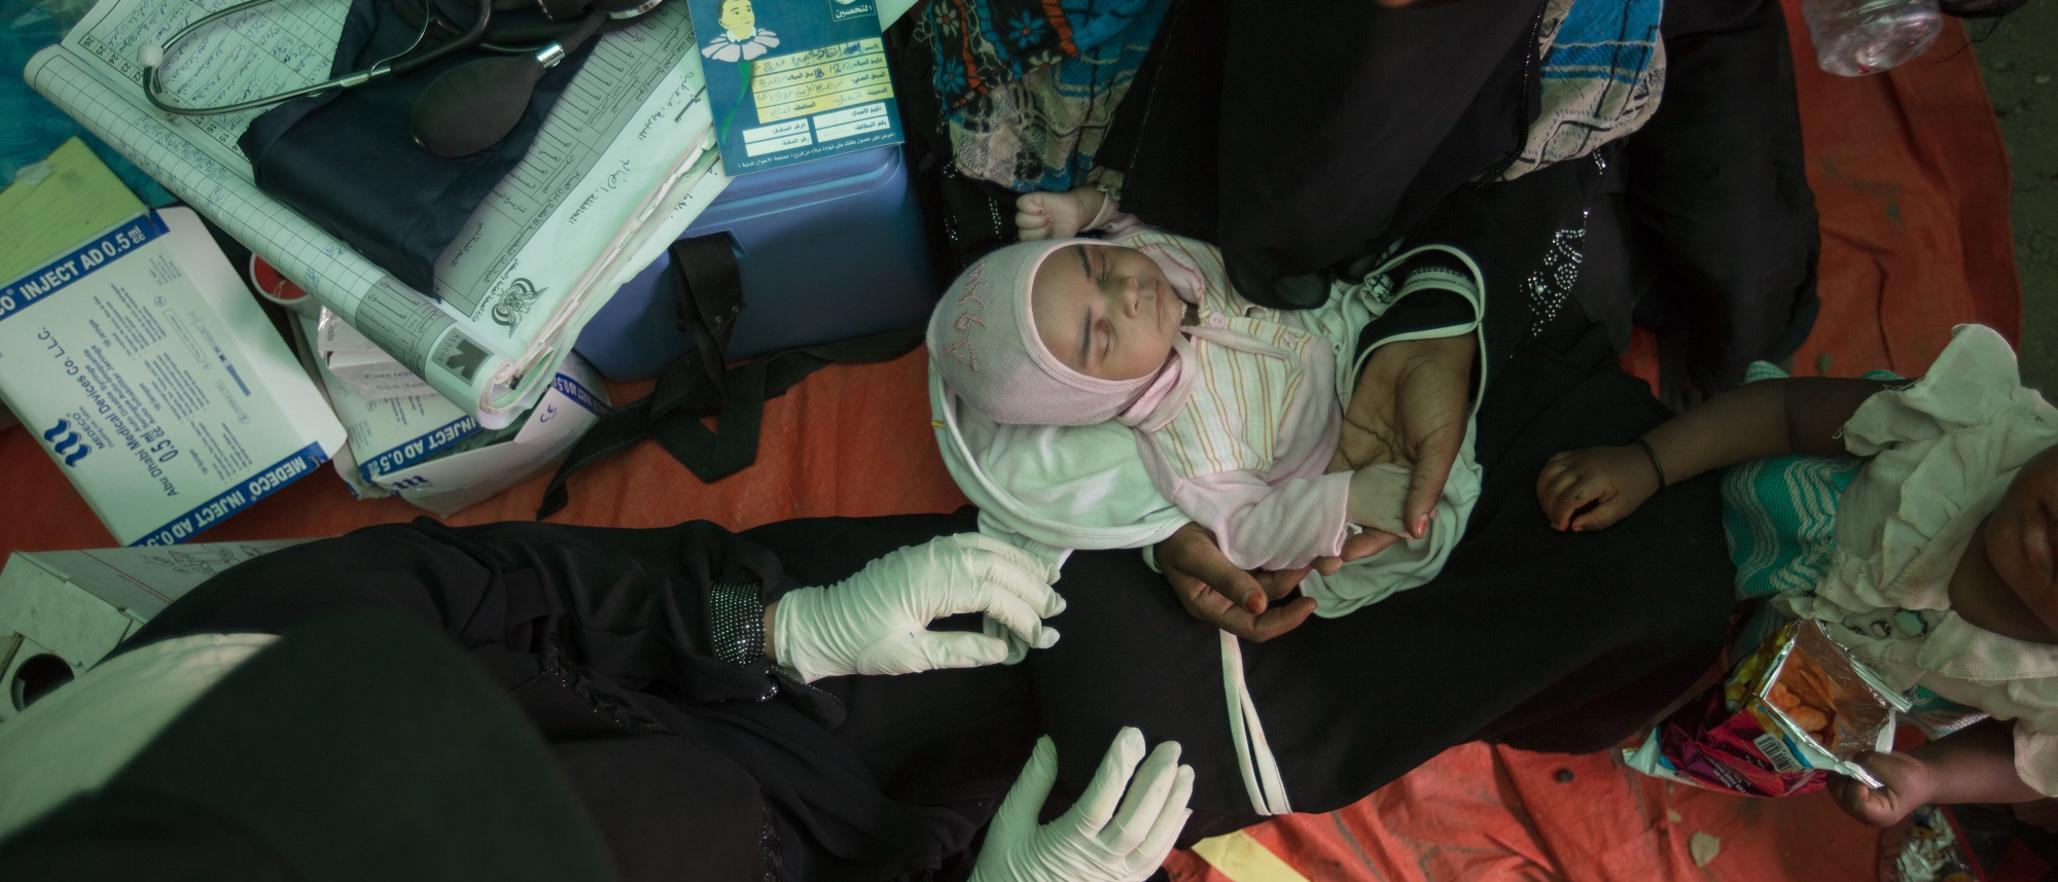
(1096, 840)
(877, 621)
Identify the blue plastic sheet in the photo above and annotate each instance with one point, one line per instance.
(34, 126)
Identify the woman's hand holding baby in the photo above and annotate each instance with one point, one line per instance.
(1056, 215)
(1408, 411)
(1409, 408)
(1593, 488)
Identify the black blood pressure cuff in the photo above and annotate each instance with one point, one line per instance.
(346, 159)
(1425, 311)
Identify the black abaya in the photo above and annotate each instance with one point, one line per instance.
(600, 637)
(1531, 637)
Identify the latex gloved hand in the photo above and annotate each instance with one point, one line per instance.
(877, 621)
(1096, 840)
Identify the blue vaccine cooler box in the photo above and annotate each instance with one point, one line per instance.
(826, 250)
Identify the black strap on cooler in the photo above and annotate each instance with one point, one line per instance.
(710, 297)
(700, 384)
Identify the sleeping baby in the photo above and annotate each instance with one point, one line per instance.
(1233, 409)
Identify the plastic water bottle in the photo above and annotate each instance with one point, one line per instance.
(1858, 37)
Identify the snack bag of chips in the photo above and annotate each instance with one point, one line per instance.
(1796, 706)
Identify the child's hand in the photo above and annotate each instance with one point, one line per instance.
(1591, 489)
(1909, 785)
(1055, 215)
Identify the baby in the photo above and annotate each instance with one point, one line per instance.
(1931, 558)
(1234, 408)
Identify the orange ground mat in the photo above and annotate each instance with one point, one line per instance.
(1911, 181)
(1488, 813)
(850, 440)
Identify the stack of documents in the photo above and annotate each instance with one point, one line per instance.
(433, 454)
(623, 164)
(353, 359)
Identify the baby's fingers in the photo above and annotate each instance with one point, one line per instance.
(1032, 217)
(1032, 227)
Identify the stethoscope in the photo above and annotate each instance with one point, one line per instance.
(468, 107)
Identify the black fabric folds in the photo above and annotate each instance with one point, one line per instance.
(290, 767)
(1307, 136)
(600, 639)
(1299, 134)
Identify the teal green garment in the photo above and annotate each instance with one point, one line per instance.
(1779, 514)
(1779, 518)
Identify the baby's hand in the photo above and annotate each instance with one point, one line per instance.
(1379, 496)
(1591, 489)
(1909, 784)
(1054, 215)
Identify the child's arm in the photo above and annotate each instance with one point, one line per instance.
(1591, 489)
(1974, 765)
(1759, 420)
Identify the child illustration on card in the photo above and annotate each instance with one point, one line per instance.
(741, 39)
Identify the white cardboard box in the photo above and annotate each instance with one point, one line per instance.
(434, 455)
(75, 606)
(155, 381)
